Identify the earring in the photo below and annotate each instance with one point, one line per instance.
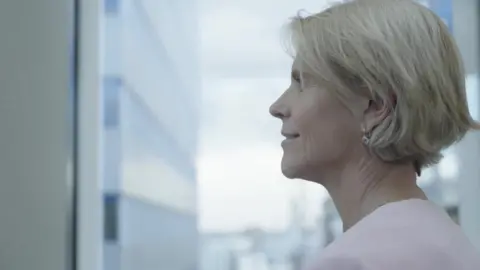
(366, 137)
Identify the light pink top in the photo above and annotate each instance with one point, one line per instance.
(407, 235)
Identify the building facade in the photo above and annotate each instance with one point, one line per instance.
(151, 93)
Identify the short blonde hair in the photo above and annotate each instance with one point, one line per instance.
(397, 52)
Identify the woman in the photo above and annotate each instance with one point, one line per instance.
(377, 92)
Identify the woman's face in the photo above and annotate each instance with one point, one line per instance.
(319, 130)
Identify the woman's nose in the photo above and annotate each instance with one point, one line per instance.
(279, 110)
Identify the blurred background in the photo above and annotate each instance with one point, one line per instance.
(191, 155)
(173, 161)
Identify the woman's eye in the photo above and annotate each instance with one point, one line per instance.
(296, 78)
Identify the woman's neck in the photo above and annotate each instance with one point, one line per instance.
(361, 190)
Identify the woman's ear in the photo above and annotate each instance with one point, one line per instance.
(374, 114)
(358, 107)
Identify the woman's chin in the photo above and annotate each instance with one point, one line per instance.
(290, 169)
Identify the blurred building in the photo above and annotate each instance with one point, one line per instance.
(289, 249)
(332, 224)
(252, 249)
(151, 91)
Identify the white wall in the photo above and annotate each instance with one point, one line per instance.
(36, 137)
(89, 192)
(155, 65)
(35, 197)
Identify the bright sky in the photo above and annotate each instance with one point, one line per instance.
(244, 70)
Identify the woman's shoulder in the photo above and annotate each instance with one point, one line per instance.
(410, 235)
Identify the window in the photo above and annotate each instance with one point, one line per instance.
(111, 6)
(110, 223)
